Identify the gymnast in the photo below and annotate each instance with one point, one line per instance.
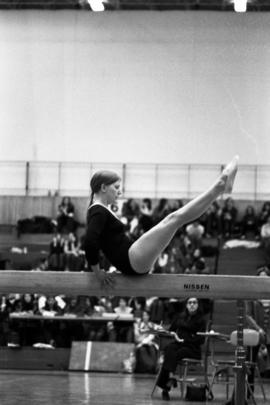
(106, 233)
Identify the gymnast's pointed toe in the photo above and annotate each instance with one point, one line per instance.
(229, 174)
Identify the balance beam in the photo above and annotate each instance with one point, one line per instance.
(152, 285)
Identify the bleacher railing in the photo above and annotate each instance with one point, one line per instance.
(138, 180)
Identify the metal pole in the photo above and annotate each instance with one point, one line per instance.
(27, 175)
(240, 354)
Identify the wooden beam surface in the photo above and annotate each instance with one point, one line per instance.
(160, 285)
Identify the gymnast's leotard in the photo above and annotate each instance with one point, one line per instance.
(106, 232)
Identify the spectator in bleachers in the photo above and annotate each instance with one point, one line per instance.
(228, 218)
(195, 232)
(138, 306)
(161, 210)
(161, 263)
(265, 237)
(146, 216)
(29, 304)
(175, 263)
(198, 265)
(96, 307)
(42, 265)
(65, 217)
(50, 332)
(130, 209)
(249, 223)
(264, 213)
(51, 305)
(56, 255)
(123, 333)
(4, 321)
(73, 254)
(156, 309)
(176, 204)
(73, 331)
(211, 220)
(146, 350)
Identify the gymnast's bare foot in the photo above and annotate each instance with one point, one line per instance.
(230, 173)
(225, 182)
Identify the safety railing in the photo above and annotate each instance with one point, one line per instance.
(138, 180)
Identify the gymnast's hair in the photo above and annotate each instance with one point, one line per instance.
(106, 177)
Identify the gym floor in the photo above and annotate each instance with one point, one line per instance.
(78, 388)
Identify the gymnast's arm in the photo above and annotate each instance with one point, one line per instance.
(96, 222)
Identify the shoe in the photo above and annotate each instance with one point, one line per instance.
(171, 383)
(230, 173)
(165, 395)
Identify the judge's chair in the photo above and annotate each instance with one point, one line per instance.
(189, 370)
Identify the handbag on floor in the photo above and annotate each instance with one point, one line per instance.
(199, 393)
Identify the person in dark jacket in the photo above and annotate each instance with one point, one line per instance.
(186, 343)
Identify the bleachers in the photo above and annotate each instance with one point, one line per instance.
(240, 261)
(36, 247)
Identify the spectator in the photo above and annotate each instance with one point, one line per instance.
(130, 209)
(65, 217)
(107, 330)
(56, 255)
(265, 213)
(138, 306)
(161, 210)
(124, 333)
(74, 256)
(198, 265)
(195, 233)
(228, 218)
(29, 304)
(249, 223)
(51, 306)
(146, 351)
(156, 309)
(86, 305)
(186, 343)
(42, 265)
(211, 220)
(4, 321)
(146, 216)
(265, 237)
(50, 331)
(72, 331)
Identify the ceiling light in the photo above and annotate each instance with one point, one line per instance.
(240, 6)
(96, 5)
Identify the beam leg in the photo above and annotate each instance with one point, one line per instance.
(240, 353)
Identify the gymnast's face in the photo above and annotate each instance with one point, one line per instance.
(113, 192)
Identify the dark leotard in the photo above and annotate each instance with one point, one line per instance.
(106, 232)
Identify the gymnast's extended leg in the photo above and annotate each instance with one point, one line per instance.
(145, 250)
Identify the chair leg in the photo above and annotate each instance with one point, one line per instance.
(251, 393)
(184, 379)
(214, 374)
(155, 383)
(257, 372)
(227, 383)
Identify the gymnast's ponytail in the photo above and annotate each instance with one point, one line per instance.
(91, 198)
